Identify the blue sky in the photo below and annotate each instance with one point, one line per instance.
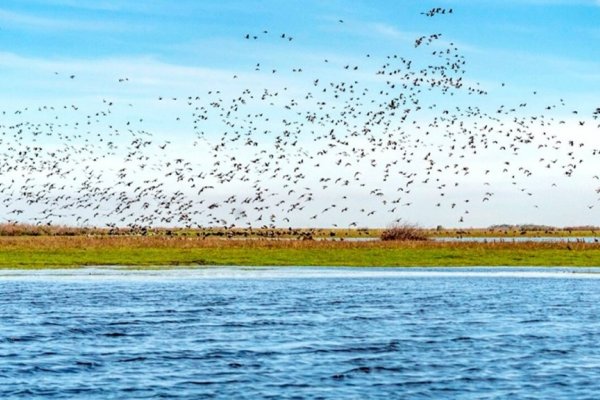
(174, 48)
(184, 32)
(551, 46)
(531, 41)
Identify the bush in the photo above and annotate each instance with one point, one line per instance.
(403, 232)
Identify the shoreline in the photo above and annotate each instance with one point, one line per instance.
(165, 274)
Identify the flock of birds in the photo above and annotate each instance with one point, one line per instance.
(361, 140)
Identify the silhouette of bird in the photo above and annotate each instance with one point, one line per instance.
(336, 149)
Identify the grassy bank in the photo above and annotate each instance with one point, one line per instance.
(294, 233)
(60, 251)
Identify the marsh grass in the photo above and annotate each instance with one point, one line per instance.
(11, 229)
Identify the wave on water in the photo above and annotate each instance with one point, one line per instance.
(161, 273)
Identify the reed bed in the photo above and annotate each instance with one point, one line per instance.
(291, 233)
(39, 242)
(11, 229)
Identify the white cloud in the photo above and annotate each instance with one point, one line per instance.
(19, 20)
(390, 31)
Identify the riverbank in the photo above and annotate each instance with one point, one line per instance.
(509, 231)
(26, 252)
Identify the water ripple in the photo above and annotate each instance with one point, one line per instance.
(300, 333)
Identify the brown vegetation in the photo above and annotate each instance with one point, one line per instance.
(141, 242)
(404, 232)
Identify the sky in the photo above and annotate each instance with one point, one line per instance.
(69, 59)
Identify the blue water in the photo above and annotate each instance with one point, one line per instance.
(535, 239)
(489, 239)
(300, 333)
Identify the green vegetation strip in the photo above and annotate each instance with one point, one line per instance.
(49, 252)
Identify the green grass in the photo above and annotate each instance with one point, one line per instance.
(49, 252)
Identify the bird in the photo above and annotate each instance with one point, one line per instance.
(261, 154)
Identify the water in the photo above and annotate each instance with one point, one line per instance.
(535, 239)
(491, 239)
(300, 333)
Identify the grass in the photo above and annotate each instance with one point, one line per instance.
(31, 252)
(7, 229)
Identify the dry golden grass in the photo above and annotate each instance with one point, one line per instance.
(61, 230)
(297, 233)
(88, 242)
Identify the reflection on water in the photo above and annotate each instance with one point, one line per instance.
(488, 239)
(163, 274)
(541, 239)
(300, 333)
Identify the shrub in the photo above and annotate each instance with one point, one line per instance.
(403, 232)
